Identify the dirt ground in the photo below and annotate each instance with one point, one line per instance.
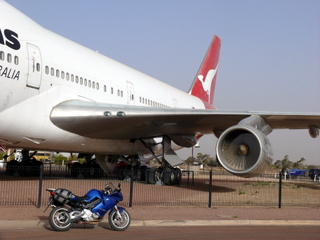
(227, 190)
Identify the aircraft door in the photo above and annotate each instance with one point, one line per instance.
(34, 66)
(130, 93)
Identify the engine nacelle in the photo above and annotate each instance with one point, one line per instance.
(244, 151)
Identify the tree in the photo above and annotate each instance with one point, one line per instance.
(190, 160)
(284, 163)
(203, 158)
(299, 163)
(59, 158)
(213, 163)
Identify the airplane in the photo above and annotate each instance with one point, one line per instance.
(60, 96)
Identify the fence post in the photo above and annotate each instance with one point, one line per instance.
(210, 190)
(280, 188)
(131, 187)
(40, 186)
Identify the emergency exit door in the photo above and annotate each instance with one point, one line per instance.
(34, 66)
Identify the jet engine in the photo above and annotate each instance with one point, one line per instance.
(244, 151)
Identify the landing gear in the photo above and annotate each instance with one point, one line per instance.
(130, 165)
(166, 174)
(169, 176)
(25, 166)
(172, 176)
(89, 169)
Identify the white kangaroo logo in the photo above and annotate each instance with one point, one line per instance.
(206, 83)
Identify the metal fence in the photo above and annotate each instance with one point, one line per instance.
(23, 186)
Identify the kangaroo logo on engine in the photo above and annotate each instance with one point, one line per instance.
(10, 39)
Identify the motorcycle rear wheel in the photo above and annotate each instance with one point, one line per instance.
(59, 219)
(119, 223)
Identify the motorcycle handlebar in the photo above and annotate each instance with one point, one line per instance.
(112, 189)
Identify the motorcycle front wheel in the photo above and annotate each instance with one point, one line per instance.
(119, 221)
(59, 219)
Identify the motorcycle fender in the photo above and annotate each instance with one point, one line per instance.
(120, 209)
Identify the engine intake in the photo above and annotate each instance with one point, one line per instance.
(244, 151)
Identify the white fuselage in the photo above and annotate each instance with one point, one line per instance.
(48, 69)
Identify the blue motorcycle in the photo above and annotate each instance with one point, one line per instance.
(69, 208)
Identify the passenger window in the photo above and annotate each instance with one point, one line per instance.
(57, 73)
(52, 71)
(81, 81)
(67, 76)
(1, 55)
(85, 82)
(72, 78)
(89, 83)
(38, 67)
(105, 88)
(62, 74)
(77, 79)
(47, 70)
(16, 60)
(97, 86)
(9, 58)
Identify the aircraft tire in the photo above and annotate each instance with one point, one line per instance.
(178, 176)
(169, 176)
(152, 176)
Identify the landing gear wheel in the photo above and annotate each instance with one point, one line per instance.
(169, 176)
(141, 173)
(75, 170)
(122, 172)
(119, 221)
(151, 176)
(178, 176)
(154, 175)
(59, 219)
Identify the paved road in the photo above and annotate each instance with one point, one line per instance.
(154, 233)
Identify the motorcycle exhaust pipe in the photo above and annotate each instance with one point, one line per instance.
(75, 216)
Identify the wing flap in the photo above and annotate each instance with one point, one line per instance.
(108, 121)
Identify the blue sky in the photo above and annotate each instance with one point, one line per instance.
(270, 55)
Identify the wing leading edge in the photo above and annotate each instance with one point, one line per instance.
(106, 121)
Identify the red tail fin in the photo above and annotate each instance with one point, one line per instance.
(204, 84)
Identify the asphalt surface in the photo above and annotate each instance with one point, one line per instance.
(22, 217)
(102, 231)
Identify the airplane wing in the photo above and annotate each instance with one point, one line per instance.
(106, 121)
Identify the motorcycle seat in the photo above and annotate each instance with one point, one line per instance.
(81, 198)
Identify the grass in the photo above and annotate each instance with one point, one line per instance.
(257, 184)
(241, 192)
